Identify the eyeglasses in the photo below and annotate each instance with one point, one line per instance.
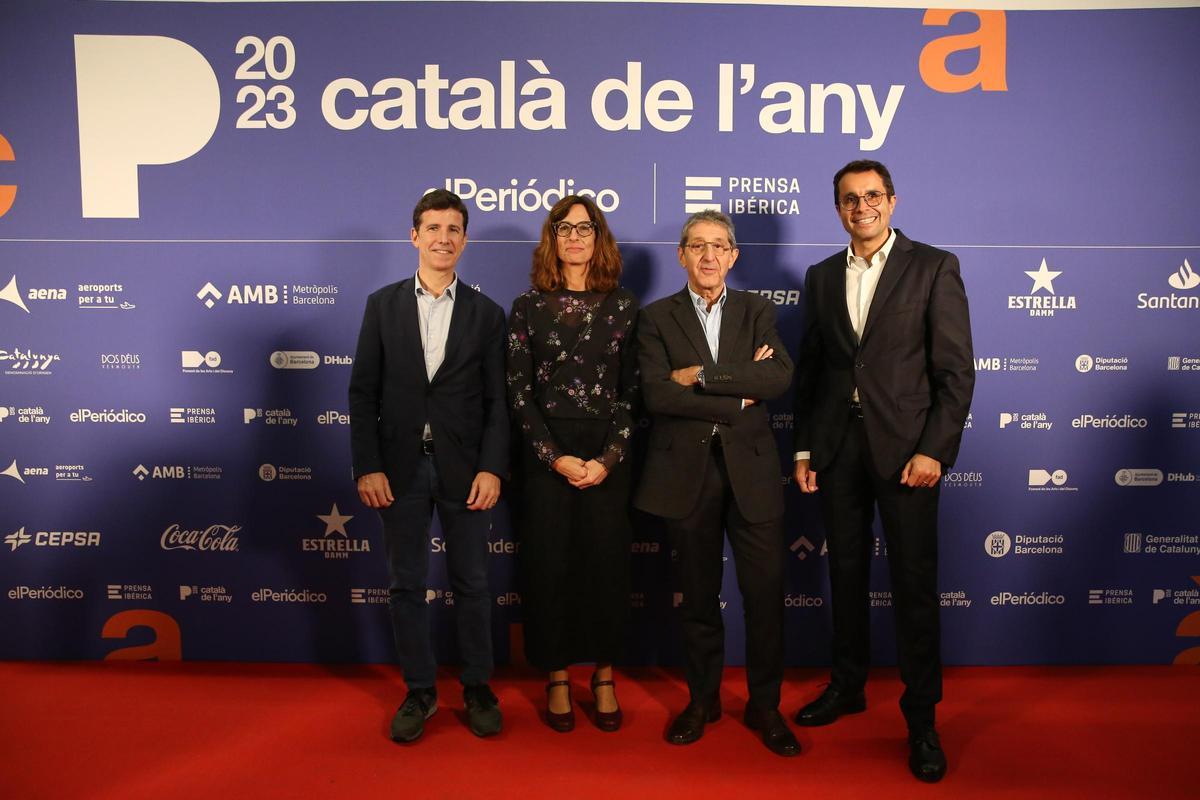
(850, 201)
(719, 249)
(563, 229)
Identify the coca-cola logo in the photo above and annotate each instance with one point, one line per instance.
(214, 538)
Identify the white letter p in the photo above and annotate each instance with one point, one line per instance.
(142, 100)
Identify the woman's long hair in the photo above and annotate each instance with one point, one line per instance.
(604, 271)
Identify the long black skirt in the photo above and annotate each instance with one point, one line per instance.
(574, 554)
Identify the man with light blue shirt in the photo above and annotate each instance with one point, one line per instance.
(709, 357)
(429, 428)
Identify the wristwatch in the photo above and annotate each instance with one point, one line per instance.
(700, 377)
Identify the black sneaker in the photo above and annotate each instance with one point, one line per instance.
(483, 710)
(409, 722)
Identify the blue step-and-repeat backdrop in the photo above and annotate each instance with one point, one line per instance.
(196, 199)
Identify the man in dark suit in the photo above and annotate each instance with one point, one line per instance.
(429, 427)
(884, 382)
(709, 356)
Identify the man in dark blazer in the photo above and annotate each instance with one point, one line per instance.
(429, 427)
(709, 356)
(884, 382)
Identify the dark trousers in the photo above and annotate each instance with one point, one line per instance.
(406, 544)
(574, 559)
(758, 557)
(850, 490)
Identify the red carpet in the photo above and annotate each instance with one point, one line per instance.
(216, 731)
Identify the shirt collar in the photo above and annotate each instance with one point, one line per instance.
(880, 257)
(419, 290)
(702, 304)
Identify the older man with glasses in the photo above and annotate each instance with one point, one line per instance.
(709, 357)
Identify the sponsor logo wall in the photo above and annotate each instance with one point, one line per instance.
(180, 296)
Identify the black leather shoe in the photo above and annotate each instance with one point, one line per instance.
(925, 757)
(607, 721)
(483, 710)
(409, 722)
(564, 722)
(776, 735)
(829, 706)
(689, 725)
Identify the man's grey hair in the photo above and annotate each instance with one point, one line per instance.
(708, 215)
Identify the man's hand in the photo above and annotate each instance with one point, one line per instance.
(806, 478)
(921, 472)
(596, 473)
(685, 376)
(764, 351)
(374, 490)
(570, 467)
(485, 491)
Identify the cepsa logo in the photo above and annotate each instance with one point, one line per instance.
(120, 82)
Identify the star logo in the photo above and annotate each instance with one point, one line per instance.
(335, 521)
(1043, 278)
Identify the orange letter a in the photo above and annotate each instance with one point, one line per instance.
(167, 641)
(1189, 626)
(990, 38)
(8, 192)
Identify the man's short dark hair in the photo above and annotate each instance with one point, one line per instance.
(439, 200)
(864, 165)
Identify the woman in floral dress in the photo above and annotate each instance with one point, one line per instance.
(572, 391)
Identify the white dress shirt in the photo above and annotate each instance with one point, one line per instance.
(433, 315)
(862, 277)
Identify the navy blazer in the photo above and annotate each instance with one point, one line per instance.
(914, 367)
(391, 397)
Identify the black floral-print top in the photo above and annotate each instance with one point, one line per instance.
(551, 375)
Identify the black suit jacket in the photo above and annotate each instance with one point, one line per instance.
(914, 367)
(670, 337)
(391, 397)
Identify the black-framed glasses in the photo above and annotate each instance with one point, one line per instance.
(563, 229)
(851, 201)
(719, 249)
